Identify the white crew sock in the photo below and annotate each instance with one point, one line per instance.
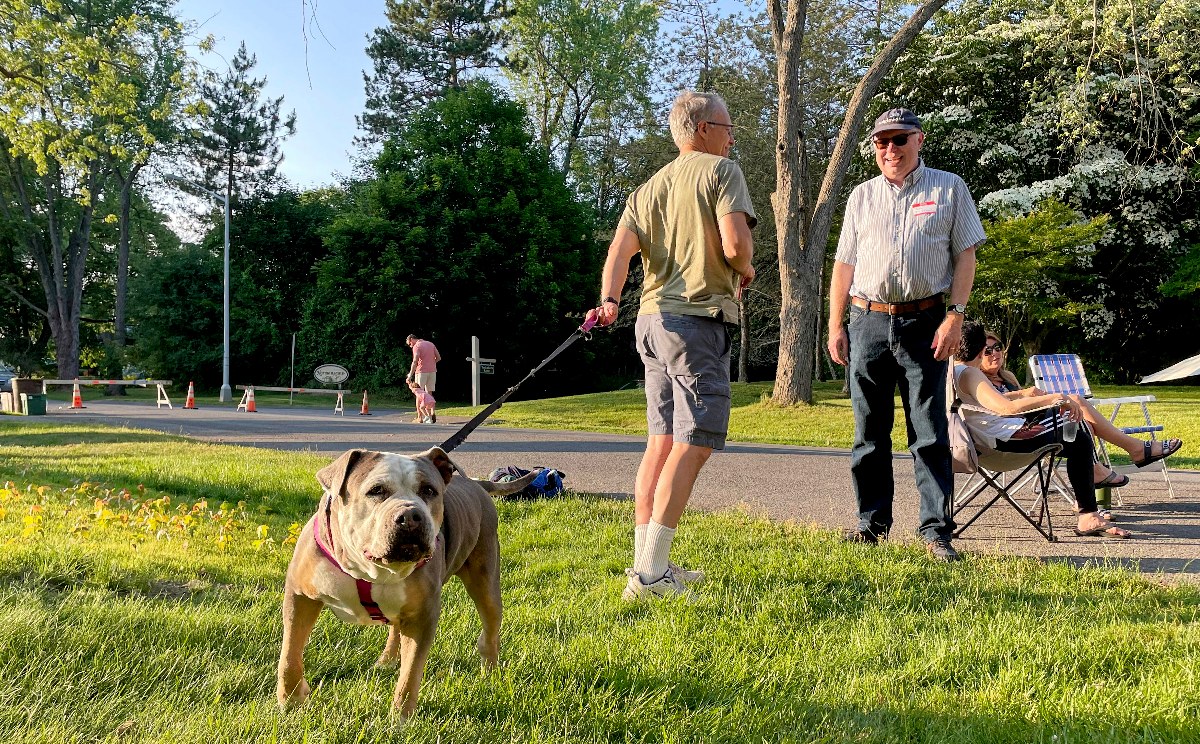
(639, 541)
(651, 563)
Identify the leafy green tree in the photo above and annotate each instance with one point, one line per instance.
(804, 216)
(66, 107)
(1186, 280)
(24, 330)
(175, 303)
(238, 131)
(1027, 268)
(1092, 104)
(163, 80)
(466, 229)
(711, 49)
(177, 298)
(279, 243)
(428, 47)
(573, 62)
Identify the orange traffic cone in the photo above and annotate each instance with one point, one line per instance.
(191, 397)
(365, 410)
(76, 398)
(248, 401)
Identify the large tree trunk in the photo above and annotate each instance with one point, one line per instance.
(62, 272)
(123, 255)
(802, 241)
(787, 33)
(126, 196)
(59, 252)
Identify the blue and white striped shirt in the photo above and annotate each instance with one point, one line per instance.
(901, 239)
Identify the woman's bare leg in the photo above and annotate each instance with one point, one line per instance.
(1104, 429)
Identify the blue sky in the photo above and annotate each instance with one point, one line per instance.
(319, 76)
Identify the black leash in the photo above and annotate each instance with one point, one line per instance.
(461, 435)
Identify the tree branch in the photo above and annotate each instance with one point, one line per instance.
(21, 297)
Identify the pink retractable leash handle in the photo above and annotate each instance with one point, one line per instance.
(590, 320)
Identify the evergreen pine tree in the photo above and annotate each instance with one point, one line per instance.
(239, 131)
(427, 47)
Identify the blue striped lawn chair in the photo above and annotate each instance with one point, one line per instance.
(1063, 373)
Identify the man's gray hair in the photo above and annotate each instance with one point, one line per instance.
(691, 108)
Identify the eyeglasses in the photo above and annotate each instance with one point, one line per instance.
(899, 140)
(994, 349)
(719, 124)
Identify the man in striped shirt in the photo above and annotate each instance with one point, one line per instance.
(905, 264)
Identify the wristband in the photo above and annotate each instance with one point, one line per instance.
(609, 299)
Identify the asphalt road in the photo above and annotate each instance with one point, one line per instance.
(806, 485)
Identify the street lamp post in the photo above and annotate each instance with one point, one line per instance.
(226, 391)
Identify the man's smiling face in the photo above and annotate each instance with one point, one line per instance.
(896, 161)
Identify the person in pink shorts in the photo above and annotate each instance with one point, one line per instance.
(425, 404)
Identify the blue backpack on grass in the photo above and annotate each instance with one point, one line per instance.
(549, 482)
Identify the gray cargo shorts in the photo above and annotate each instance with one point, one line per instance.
(687, 377)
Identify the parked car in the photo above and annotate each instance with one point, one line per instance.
(6, 376)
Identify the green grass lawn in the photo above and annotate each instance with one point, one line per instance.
(141, 576)
(828, 422)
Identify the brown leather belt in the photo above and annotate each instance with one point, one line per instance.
(900, 308)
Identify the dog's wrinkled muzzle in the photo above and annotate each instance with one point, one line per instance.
(401, 551)
(408, 538)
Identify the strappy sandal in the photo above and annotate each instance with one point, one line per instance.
(1169, 447)
(1113, 480)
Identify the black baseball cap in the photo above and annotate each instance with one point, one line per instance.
(897, 118)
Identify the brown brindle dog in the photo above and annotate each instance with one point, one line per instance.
(389, 532)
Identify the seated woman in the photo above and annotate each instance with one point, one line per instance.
(1141, 452)
(1008, 425)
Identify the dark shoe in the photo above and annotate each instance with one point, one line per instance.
(1167, 447)
(862, 537)
(942, 550)
(1113, 480)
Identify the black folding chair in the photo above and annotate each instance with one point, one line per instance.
(1003, 474)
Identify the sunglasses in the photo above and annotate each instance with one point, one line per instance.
(899, 140)
(994, 349)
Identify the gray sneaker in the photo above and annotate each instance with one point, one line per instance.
(685, 576)
(941, 550)
(668, 587)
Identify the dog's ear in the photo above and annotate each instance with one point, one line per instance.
(441, 461)
(332, 477)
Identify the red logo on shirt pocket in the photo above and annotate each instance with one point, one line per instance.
(924, 209)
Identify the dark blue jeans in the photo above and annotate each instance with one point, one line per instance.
(886, 351)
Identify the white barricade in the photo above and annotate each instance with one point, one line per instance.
(338, 407)
(162, 400)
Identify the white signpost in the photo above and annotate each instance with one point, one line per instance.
(478, 365)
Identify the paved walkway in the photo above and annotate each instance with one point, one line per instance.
(807, 485)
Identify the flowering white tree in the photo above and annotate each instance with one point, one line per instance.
(1091, 103)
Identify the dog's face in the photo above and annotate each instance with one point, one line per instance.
(387, 508)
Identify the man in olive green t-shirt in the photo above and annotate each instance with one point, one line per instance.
(691, 224)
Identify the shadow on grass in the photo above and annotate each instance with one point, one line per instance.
(1139, 565)
(14, 437)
